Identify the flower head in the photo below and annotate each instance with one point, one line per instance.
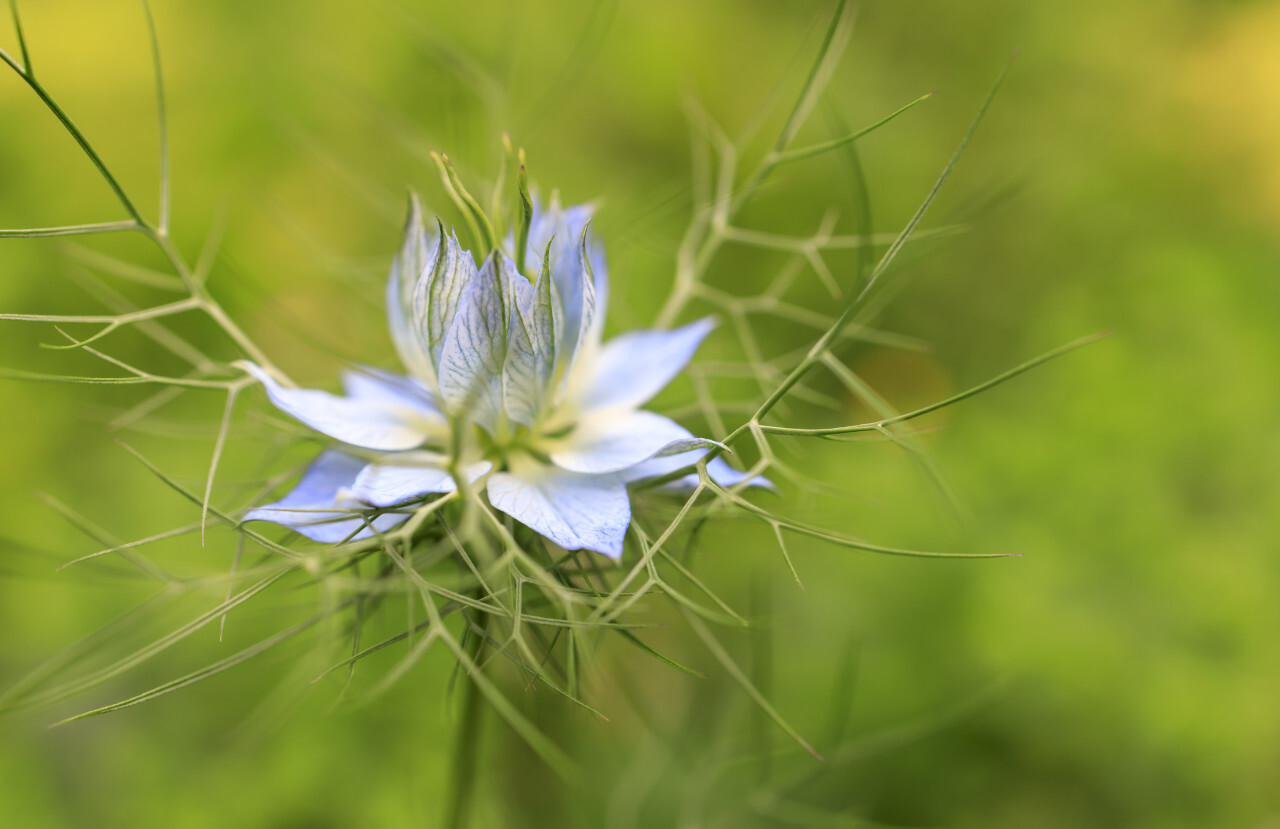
(508, 385)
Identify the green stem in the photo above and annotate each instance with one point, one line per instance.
(762, 669)
(466, 751)
(163, 118)
(22, 38)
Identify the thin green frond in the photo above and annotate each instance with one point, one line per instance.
(551, 754)
(81, 140)
(112, 319)
(835, 144)
(130, 545)
(856, 299)
(69, 230)
(158, 646)
(941, 404)
(140, 379)
(22, 40)
(224, 427)
(475, 216)
(524, 218)
(903, 438)
(801, 528)
(18, 694)
(209, 250)
(910, 229)
(635, 640)
(731, 667)
(198, 501)
(203, 673)
(162, 225)
(824, 66)
(132, 272)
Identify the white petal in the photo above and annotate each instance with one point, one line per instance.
(323, 487)
(407, 269)
(476, 346)
(720, 472)
(368, 383)
(521, 383)
(609, 441)
(633, 367)
(370, 423)
(590, 314)
(408, 476)
(578, 512)
(536, 320)
(577, 267)
(440, 294)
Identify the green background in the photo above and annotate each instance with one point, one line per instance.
(1122, 672)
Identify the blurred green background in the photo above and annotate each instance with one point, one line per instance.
(1122, 672)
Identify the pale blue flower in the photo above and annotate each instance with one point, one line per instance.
(510, 373)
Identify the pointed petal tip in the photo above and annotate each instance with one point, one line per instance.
(413, 215)
(611, 441)
(371, 423)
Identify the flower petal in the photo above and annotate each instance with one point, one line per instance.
(367, 422)
(590, 313)
(521, 381)
(578, 512)
(633, 367)
(610, 441)
(410, 266)
(720, 472)
(408, 476)
(441, 292)
(536, 322)
(576, 265)
(323, 487)
(476, 346)
(368, 383)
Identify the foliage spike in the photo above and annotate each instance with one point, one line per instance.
(22, 40)
(477, 221)
(525, 217)
(162, 117)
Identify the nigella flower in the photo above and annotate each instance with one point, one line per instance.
(508, 386)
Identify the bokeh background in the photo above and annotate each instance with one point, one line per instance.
(1122, 672)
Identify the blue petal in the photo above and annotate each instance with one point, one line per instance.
(323, 487)
(522, 385)
(368, 383)
(440, 294)
(578, 512)
(370, 423)
(408, 476)
(635, 366)
(410, 266)
(575, 274)
(476, 346)
(591, 320)
(720, 472)
(536, 320)
(608, 442)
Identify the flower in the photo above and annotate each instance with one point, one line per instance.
(508, 385)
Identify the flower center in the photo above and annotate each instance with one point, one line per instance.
(520, 440)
